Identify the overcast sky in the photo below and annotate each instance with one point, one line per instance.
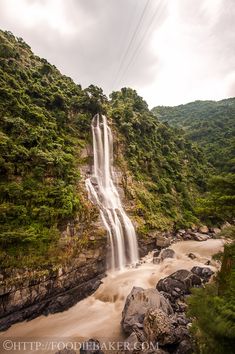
(170, 51)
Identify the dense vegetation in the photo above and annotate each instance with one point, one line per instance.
(44, 124)
(218, 203)
(168, 170)
(213, 307)
(211, 126)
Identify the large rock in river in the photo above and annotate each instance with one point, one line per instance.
(167, 253)
(203, 272)
(179, 283)
(200, 236)
(138, 302)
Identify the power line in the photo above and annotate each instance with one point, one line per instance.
(131, 41)
(139, 46)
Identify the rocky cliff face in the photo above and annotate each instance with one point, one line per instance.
(25, 294)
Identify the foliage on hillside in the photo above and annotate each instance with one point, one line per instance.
(44, 124)
(218, 204)
(210, 125)
(169, 171)
(213, 307)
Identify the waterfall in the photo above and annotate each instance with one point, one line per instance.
(103, 193)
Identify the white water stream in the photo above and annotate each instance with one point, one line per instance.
(103, 193)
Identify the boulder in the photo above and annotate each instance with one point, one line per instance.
(156, 260)
(156, 253)
(163, 329)
(215, 230)
(138, 302)
(187, 237)
(181, 306)
(181, 231)
(203, 229)
(191, 255)
(178, 237)
(179, 283)
(167, 253)
(159, 327)
(200, 237)
(92, 346)
(181, 319)
(163, 241)
(203, 272)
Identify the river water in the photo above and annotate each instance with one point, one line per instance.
(99, 315)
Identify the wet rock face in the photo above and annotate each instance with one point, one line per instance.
(203, 272)
(167, 253)
(147, 318)
(197, 236)
(55, 292)
(179, 283)
(163, 241)
(138, 302)
(159, 327)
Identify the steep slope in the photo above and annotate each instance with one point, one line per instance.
(208, 123)
(168, 171)
(45, 127)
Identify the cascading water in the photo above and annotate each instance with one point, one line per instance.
(103, 193)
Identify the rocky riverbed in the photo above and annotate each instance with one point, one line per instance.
(139, 305)
(26, 294)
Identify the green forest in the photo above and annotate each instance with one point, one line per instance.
(45, 125)
(210, 126)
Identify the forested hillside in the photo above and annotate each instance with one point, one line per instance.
(210, 124)
(211, 127)
(45, 125)
(168, 171)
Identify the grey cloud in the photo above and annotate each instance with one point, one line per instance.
(94, 56)
(103, 29)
